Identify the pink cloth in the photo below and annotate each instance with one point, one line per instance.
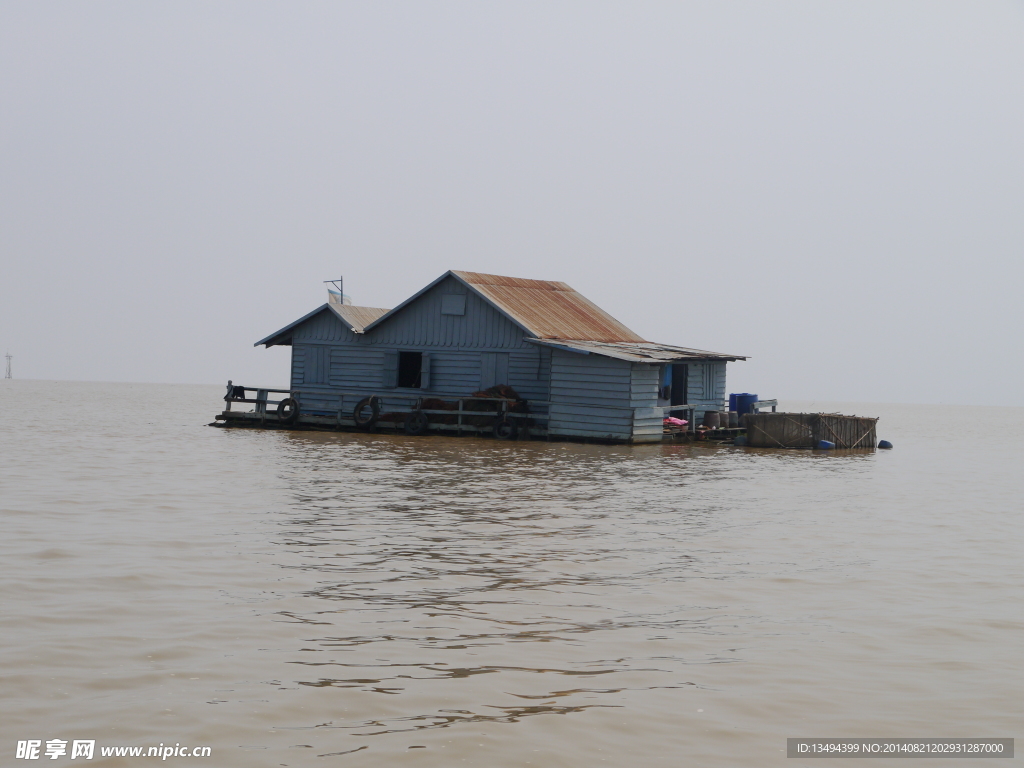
(673, 421)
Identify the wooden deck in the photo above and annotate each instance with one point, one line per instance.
(321, 422)
(502, 418)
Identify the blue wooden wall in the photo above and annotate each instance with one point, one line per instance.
(466, 352)
(599, 397)
(591, 395)
(648, 419)
(706, 386)
(421, 324)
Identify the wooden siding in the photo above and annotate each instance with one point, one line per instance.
(590, 396)
(707, 386)
(493, 369)
(317, 364)
(529, 373)
(357, 368)
(458, 346)
(456, 372)
(298, 365)
(422, 323)
(648, 422)
(453, 372)
(324, 326)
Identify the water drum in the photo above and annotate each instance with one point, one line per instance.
(744, 402)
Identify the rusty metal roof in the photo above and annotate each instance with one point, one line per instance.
(548, 309)
(551, 312)
(636, 352)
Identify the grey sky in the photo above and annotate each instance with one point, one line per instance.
(834, 189)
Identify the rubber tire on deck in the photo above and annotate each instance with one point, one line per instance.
(416, 423)
(505, 429)
(365, 422)
(290, 404)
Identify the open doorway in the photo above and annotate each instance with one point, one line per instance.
(680, 383)
(410, 367)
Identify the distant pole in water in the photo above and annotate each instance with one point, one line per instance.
(8, 374)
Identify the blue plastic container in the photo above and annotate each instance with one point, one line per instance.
(825, 445)
(741, 402)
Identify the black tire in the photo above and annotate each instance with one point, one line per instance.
(365, 420)
(416, 423)
(505, 429)
(288, 410)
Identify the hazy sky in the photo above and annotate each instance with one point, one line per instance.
(833, 188)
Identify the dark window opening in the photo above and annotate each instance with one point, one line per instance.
(680, 383)
(410, 366)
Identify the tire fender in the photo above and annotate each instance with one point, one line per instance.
(416, 423)
(288, 410)
(505, 428)
(364, 420)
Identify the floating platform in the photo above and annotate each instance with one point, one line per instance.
(497, 412)
(505, 418)
(321, 422)
(500, 417)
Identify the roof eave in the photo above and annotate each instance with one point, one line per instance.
(269, 340)
(689, 355)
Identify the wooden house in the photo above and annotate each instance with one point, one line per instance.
(581, 369)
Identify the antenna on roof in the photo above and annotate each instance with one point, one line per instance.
(338, 296)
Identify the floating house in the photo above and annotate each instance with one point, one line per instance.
(582, 372)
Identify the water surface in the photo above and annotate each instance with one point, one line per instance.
(297, 598)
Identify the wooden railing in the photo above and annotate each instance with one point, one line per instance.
(408, 403)
(260, 400)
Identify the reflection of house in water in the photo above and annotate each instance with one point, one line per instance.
(466, 332)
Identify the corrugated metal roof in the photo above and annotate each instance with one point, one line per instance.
(550, 310)
(636, 352)
(358, 318)
(355, 318)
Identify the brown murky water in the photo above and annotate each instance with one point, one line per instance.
(295, 599)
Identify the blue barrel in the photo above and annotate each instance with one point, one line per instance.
(741, 402)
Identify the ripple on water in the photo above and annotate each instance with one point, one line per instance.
(505, 603)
